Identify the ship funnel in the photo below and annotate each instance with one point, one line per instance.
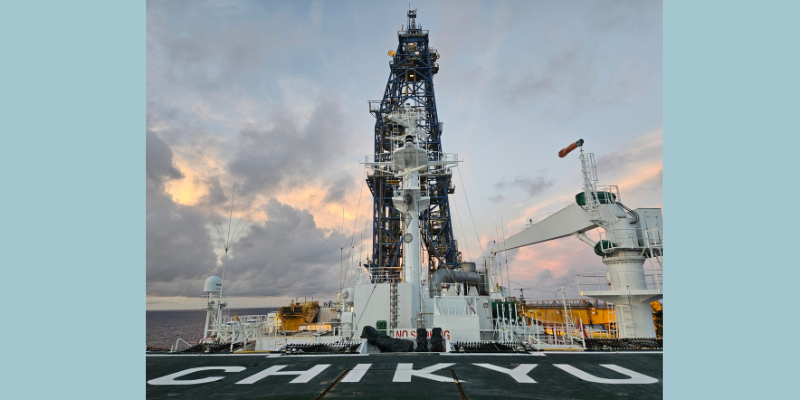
(213, 284)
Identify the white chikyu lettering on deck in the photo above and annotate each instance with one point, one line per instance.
(635, 377)
(520, 374)
(303, 376)
(170, 379)
(356, 373)
(404, 373)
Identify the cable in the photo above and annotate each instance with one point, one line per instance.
(233, 197)
(505, 253)
(497, 237)
(236, 235)
(527, 287)
(368, 299)
(634, 214)
(464, 189)
(222, 241)
(355, 222)
(461, 225)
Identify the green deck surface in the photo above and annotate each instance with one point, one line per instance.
(476, 382)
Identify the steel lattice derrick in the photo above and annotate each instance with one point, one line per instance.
(410, 86)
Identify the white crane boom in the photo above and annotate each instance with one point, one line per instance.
(571, 220)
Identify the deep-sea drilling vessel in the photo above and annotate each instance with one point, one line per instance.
(417, 296)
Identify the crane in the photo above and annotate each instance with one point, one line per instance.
(628, 238)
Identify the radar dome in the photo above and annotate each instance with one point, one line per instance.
(213, 284)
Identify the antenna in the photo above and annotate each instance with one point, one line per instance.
(230, 236)
(505, 254)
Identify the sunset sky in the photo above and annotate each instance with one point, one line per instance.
(272, 97)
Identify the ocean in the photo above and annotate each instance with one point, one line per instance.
(164, 327)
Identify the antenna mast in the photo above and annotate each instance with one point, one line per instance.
(227, 243)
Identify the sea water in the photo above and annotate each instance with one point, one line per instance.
(164, 327)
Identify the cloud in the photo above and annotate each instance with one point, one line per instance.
(611, 14)
(214, 56)
(282, 255)
(178, 244)
(532, 186)
(544, 275)
(568, 76)
(160, 168)
(654, 184)
(576, 77)
(497, 198)
(285, 255)
(641, 150)
(317, 12)
(339, 187)
(284, 155)
(228, 118)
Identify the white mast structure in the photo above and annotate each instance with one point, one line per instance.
(216, 284)
(213, 285)
(628, 238)
(409, 162)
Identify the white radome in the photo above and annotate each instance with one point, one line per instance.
(213, 284)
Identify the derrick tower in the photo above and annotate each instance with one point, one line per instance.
(409, 96)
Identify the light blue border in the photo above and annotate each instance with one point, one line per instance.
(731, 134)
(73, 107)
(73, 118)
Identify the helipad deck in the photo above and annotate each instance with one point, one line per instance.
(635, 375)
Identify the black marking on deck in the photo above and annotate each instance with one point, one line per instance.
(339, 379)
(472, 382)
(458, 385)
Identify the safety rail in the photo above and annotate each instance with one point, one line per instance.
(613, 189)
(383, 274)
(602, 281)
(435, 159)
(415, 32)
(345, 333)
(589, 171)
(465, 306)
(556, 335)
(598, 331)
(320, 348)
(242, 319)
(649, 242)
(173, 349)
(375, 107)
(626, 238)
(321, 326)
(654, 238)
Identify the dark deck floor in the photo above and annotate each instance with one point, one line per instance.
(474, 382)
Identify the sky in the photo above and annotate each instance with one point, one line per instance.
(264, 105)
